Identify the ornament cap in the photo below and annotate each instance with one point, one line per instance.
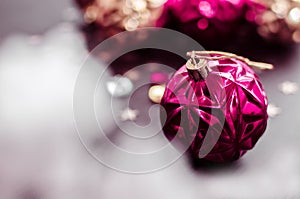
(197, 70)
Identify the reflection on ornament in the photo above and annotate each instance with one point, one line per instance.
(206, 9)
(156, 92)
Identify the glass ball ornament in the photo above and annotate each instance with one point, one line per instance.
(210, 22)
(216, 108)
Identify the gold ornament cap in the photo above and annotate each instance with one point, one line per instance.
(197, 70)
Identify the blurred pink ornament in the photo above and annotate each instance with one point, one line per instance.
(208, 21)
(228, 106)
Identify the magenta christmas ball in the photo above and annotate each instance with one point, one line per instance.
(215, 108)
(210, 22)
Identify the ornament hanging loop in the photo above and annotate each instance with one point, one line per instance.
(205, 55)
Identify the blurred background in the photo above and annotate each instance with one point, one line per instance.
(42, 47)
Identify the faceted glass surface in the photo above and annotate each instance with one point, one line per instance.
(231, 103)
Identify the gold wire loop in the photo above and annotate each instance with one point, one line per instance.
(226, 55)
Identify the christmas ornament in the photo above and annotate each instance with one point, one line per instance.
(119, 15)
(218, 98)
(208, 21)
(278, 20)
